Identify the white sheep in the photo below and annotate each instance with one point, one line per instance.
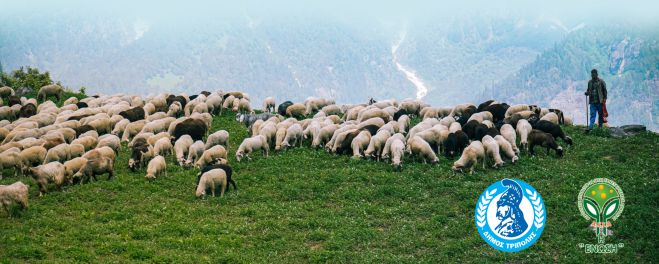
(508, 132)
(397, 151)
(492, 150)
(455, 126)
(71, 167)
(88, 141)
(14, 193)
(220, 137)
(359, 143)
(506, 148)
(470, 156)
(109, 140)
(50, 172)
(11, 158)
(132, 129)
(386, 150)
(211, 156)
(33, 156)
(419, 147)
(376, 145)
(194, 152)
(163, 147)
(58, 153)
(156, 167)
(212, 179)
(269, 105)
(293, 136)
(252, 144)
(181, 148)
(324, 135)
(76, 150)
(523, 130)
(551, 117)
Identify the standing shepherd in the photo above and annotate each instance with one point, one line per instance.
(596, 98)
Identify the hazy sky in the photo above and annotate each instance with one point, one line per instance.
(635, 10)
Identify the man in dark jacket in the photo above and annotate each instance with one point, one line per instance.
(596, 98)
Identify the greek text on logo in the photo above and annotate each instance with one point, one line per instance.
(601, 200)
(510, 215)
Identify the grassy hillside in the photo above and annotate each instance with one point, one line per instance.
(309, 206)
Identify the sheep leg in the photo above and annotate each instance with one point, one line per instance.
(213, 191)
(224, 186)
(234, 184)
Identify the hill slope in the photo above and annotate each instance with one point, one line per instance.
(308, 206)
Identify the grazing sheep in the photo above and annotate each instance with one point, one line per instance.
(220, 137)
(196, 128)
(359, 143)
(95, 167)
(470, 157)
(58, 153)
(434, 136)
(88, 141)
(132, 129)
(455, 143)
(386, 150)
(106, 152)
(343, 140)
(508, 132)
(397, 151)
(71, 167)
(269, 104)
(163, 147)
(324, 135)
(376, 144)
(33, 156)
(293, 136)
(506, 148)
(517, 108)
(6, 91)
(181, 148)
(156, 167)
(374, 113)
(551, 117)
(138, 113)
(212, 179)
(227, 169)
(492, 150)
(14, 193)
(11, 158)
(252, 144)
(553, 129)
(175, 109)
(296, 110)
(50, 90)
(568, 120)
(102, 126)
(332, 110)
(195, 152)
(211, 156)
(152, 139)
(419, 147)
(50, 172)
(455, 126)
(111, 141)
(523, 129)
(543, 139)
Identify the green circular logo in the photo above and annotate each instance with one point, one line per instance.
(601, 200)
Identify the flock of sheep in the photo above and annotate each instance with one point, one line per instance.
(81, 139)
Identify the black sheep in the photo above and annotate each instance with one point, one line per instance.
(480, 132)
(484, 105)
(400, 113)
(14, 100)
(133, 114)
(82, 105)
(492, 131)
(546, 140)
(139, 146)
(27, 110)
(466, 114)
(498, 111)
(470, 128)
(227, 169)
(455, 143)
(281, 109)
(194, 127)
(463, 140)
(553, 129)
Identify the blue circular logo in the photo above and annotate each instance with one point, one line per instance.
(510, 215)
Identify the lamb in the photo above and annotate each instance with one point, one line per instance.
(212, 179)
(220, 137)
(194, 153)
(156, 167)
(523, 129)
(95, 167)
(11, 158)
(293, 136)
(508, 132)
(377, 143)
(58, 153)
(419, 147)
(386, 150)
(212, 155)
(506, 148)
(359, 143)
(470, 157)
(163, 147)
(492, 150)
(14, 193)
(543, 139)
(71, 167)
(553, 129)
(252, 144)
(51, 172)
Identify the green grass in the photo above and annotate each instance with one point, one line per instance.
(306, 205)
